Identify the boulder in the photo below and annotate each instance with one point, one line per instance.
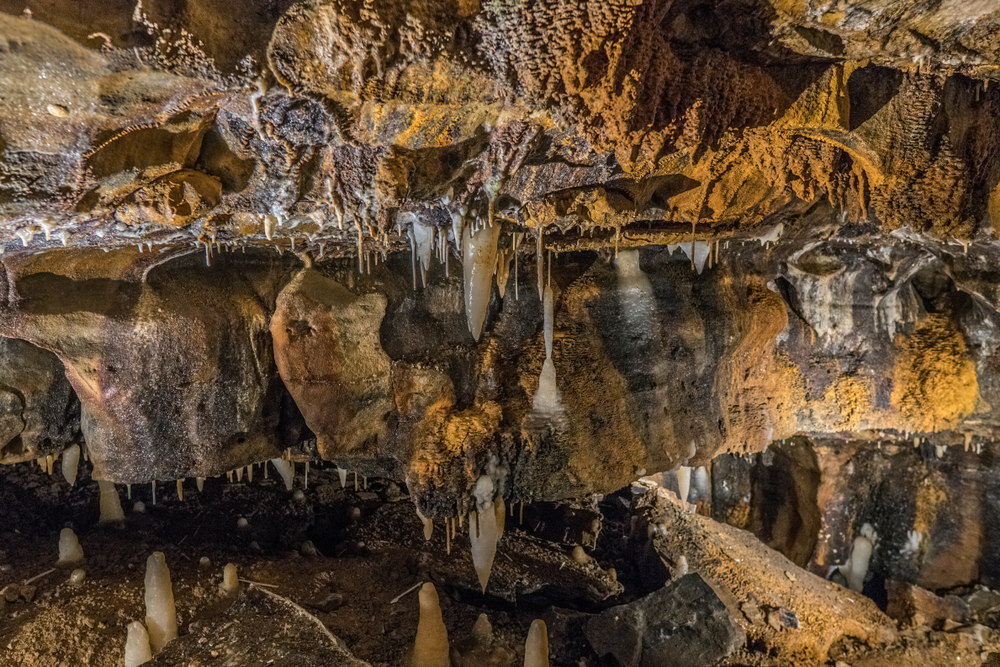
(684, 624)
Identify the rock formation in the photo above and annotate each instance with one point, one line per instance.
(767, 229)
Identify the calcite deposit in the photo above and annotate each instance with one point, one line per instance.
(558, 246)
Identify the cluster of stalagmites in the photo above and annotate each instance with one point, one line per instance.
(432, 649)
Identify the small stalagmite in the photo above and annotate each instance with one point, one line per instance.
(230, 581)
(71, 463)
(137, 649)
(70, 551)
(161, 615)
(431, 646)
(536, 649)
(111, 504)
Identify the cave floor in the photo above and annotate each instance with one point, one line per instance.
(369, 549)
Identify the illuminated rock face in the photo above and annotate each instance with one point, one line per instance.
(766, 222)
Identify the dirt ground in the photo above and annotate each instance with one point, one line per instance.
(369, 549)
(347, 558)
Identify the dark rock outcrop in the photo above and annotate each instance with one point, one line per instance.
(683, 624)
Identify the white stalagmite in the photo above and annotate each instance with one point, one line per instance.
(483, 531)
(856, 568)
(111, 504)
(285, 470)
(161, 615)
(431, 646)
(536, 649)
(479, 258)
(70, 551)
(71, 463)
(230, 581)
(683, 483)
(137, 649)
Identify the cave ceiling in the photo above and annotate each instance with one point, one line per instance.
(372, 228)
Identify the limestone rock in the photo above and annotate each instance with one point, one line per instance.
(38, 410)
(683, 624)
(907, 602)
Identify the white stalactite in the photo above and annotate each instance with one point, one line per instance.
(479, 258)
(71, 463)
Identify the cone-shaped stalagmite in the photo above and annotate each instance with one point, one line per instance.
(536, 649)
(161, 615)
(431, 646)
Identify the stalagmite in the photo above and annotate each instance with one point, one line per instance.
(111, 504)
(483, 531)
(230, 581)
(856, 568)
(70, 551)
(161, 615)
(71, 463)
(137, 649)
(431, 646)
(479, 257)
(683, 483)
(536, 649)
(285, 470)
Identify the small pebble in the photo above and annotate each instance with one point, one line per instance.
(28, 592)
(77, 576)
(328, 603)
(309, 549)
(139, 507)
(204, 562)
(242, 523)
(298, 496)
